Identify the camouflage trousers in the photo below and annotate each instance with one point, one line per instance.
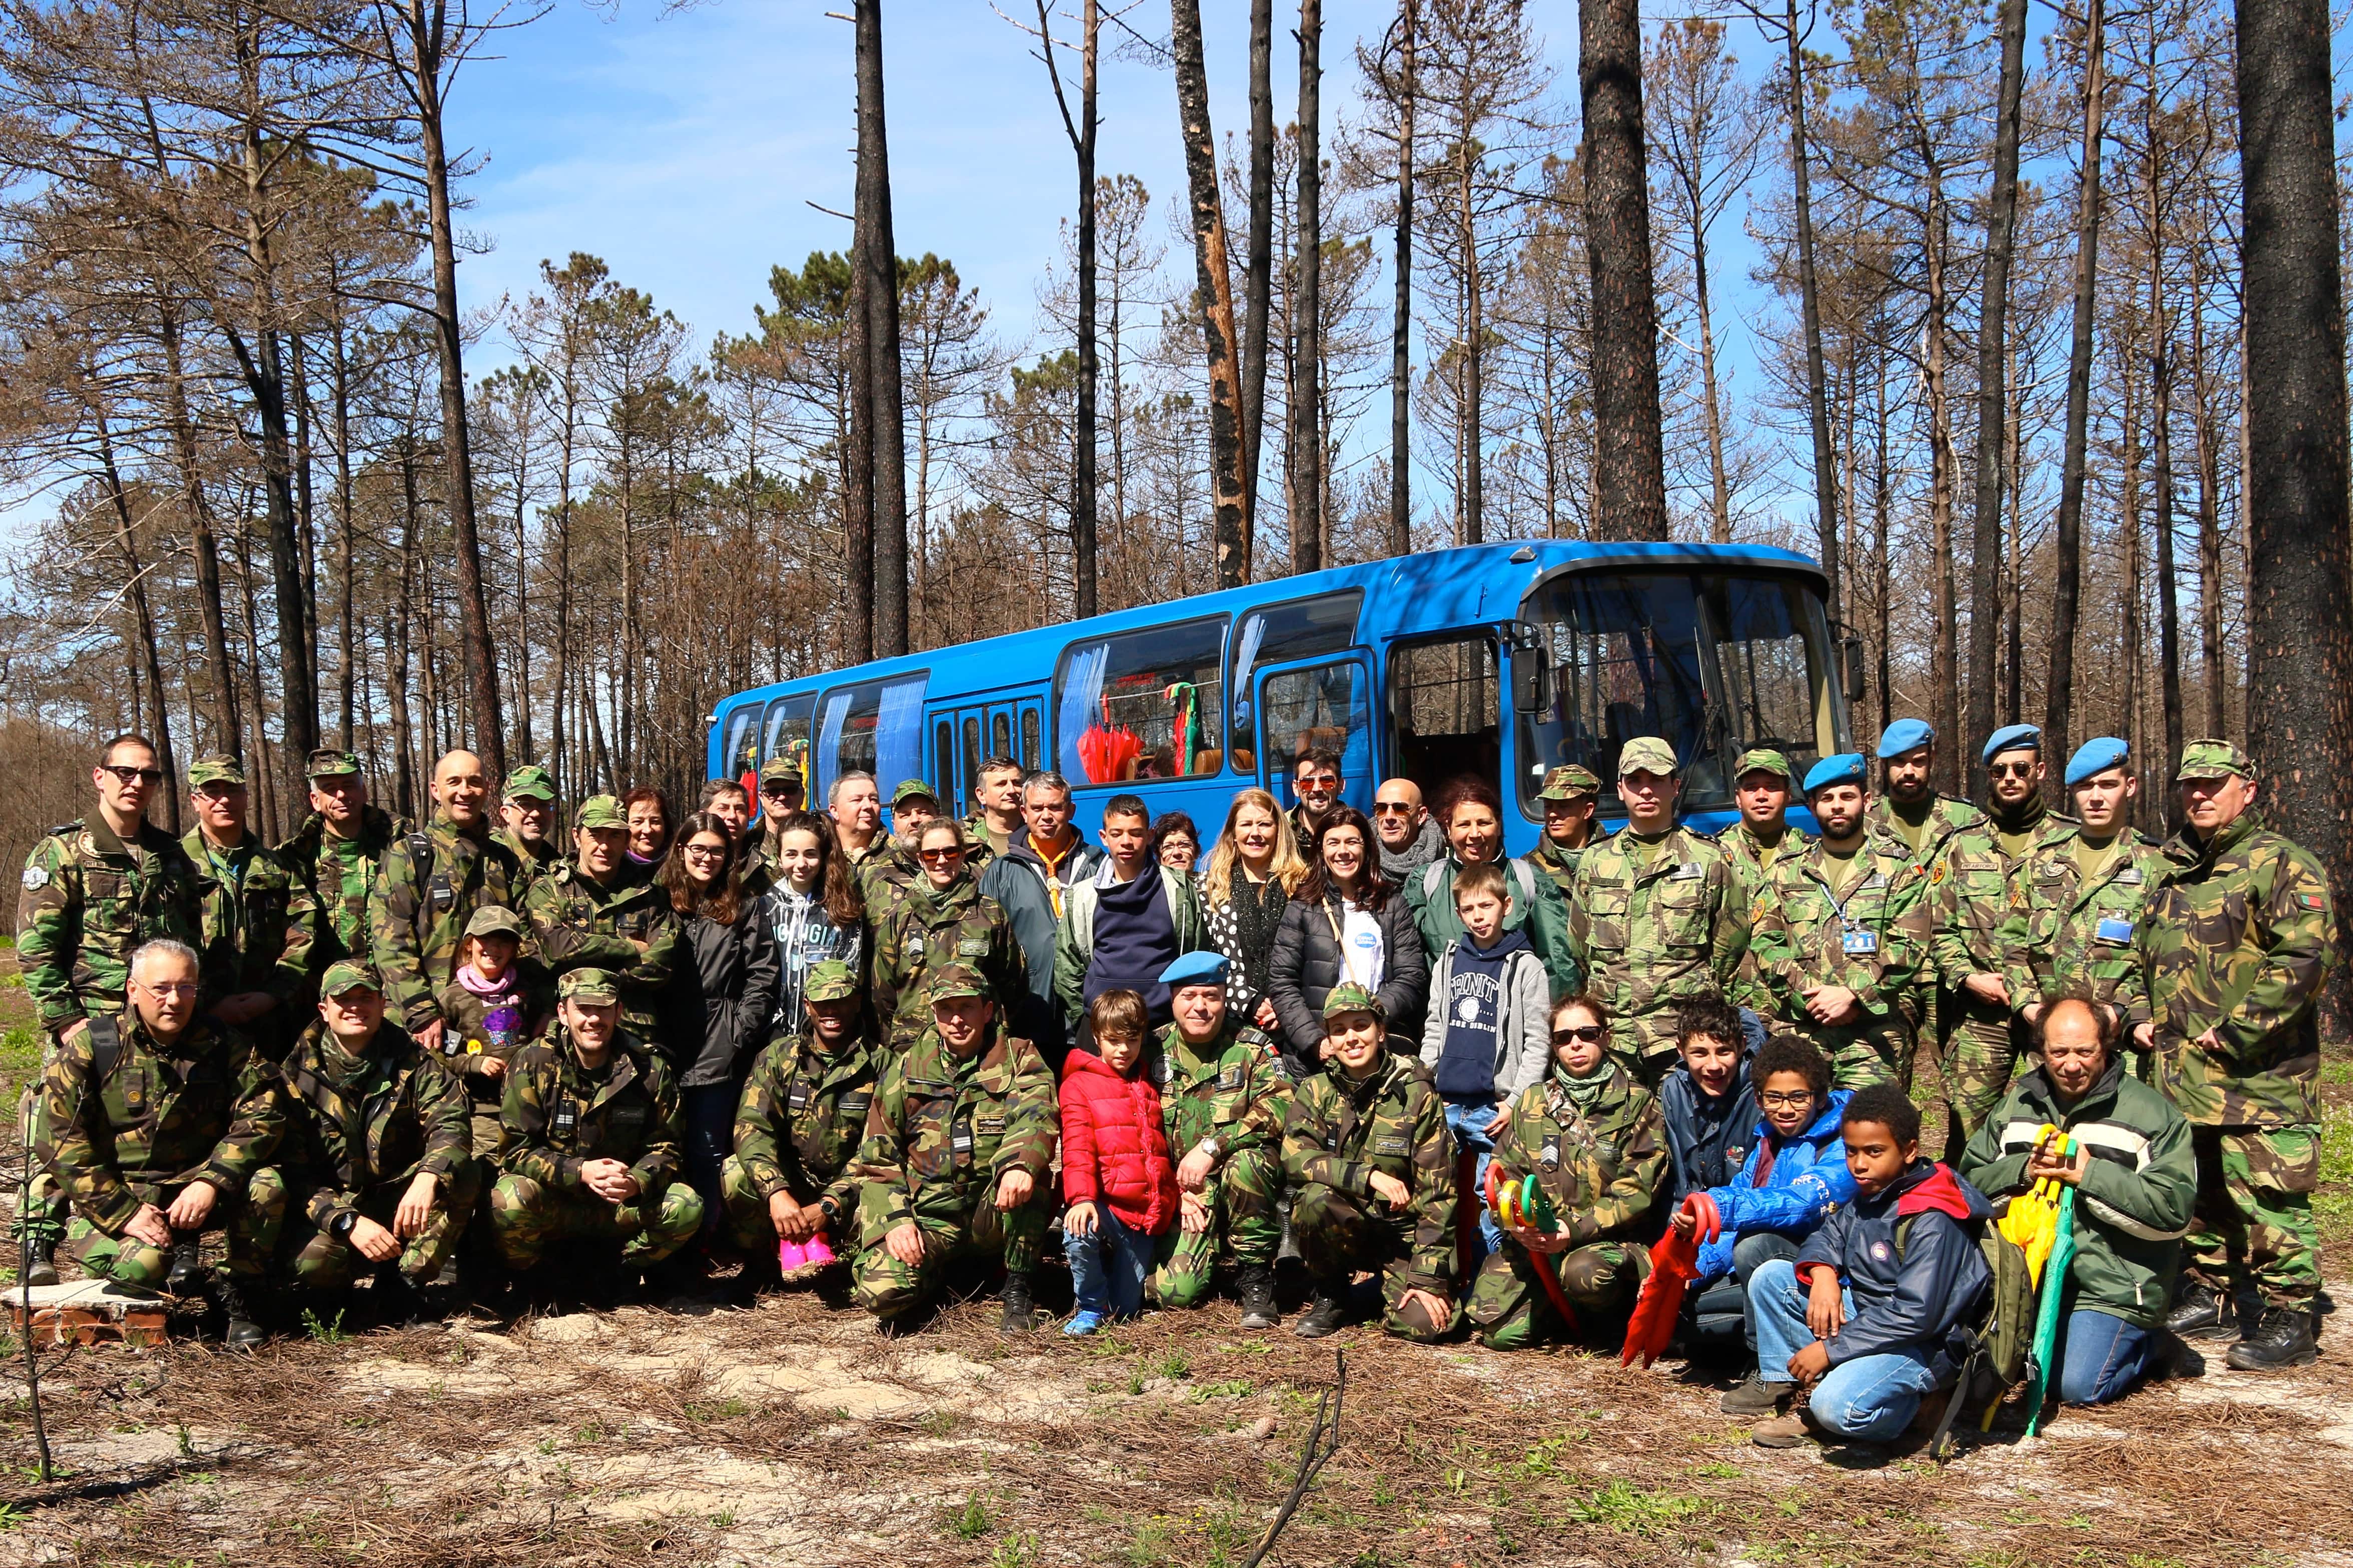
(748, 1225)
(1976, 1052)
(41, 1208)
(1644, 1043)
(1337, 1234)
(2253, 1216)
(1881, 1053)
(323, 1262)
(1511, 1310)
(1243, 1212)
(890, 1289)
(526, 1217)
(250, 1225)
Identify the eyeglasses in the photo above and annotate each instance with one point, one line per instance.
(2012, 770)
(1797, 1102)
(134, 775)
(1391, 808)
(1577, 1034)
(781, 791)
(939, 856)
(704, 851)
(170, 989)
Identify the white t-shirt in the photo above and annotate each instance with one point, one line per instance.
(1361, 955)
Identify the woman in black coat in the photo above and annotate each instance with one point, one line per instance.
(1346, 923)
(721, 999)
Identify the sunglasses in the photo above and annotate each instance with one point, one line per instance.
(2012, 770)
(1391, 808)
(134, 775)
(1577, 1034)
(781, 791)
(939, 857)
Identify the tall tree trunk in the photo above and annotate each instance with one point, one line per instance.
(2160, 390)
(857, 459)
(1401, 319)
(1258, 266)
(229, 729)
(305, 517)
(142, 613)
(1817, 402)
(1880, 522)
(1985, 546)
(1712, 405)
(2067, 574)
(1231, 530)
(1471, 441)
(2129, 603)
(404, 733)
(346, 571)
(2210, 487)
(1629, 475)
(880, 267)
(1082, 507)
(1943, 480)
(1307, 304)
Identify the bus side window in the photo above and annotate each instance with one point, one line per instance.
(1277, 635)
(1029, 739)
(1445, 710)
(1142, 705)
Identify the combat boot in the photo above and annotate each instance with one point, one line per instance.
(240, 1307)
(41, 1259)
(2282, 1338)
(2202, 1312)
(187, 1272)
(1019, 1318)
(1257, 1287)
(1329, 1315)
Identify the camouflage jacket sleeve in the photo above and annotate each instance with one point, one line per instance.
(1970, 897)
(257, 1124)
(48, 930)
(1432, 1265)
(1033, 1116)
(763, 1146)
(392, 899)
(650, 967)
(290, 979)
(1904, 961)
(1260, 1126)
(887, 976)
(77, 1148)
(1642, 1168)
(663, 1159)
(2292, 918)
(524, 1149)
(1772, 956)
(448, 1113)
(566, 946)
(884, 1201)
(1305, 1157)
(1728, 941)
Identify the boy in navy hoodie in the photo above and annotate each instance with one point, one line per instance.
(1864, 1320)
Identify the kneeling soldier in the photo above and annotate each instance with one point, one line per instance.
(157, 1125)
(955, 1157)
(591, 1139)
(1372, 1173)
(1591, 1137)
(790, 1194)
(377, 1155)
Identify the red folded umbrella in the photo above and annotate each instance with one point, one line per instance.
(1674, 1263)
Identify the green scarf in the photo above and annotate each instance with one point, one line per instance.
(1582, 1091)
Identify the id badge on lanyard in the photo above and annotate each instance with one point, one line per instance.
(2115, 931)
(1859, 942)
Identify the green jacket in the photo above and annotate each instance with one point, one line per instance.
(260, 925)
(1877, 948)
(1429, 894)
(2133, 1204)
(206, 1107)
(428, 886)
(467, 1040)
(1074, 938)
(88, 901)
(1602, 1168)
(338, 873)
(535, 858)
(1653, 924)
(1339, 1133)
(1752, 860)
(2241, 937)
(944, 1129)
(362, 1122)
(558, 1115)
(629, 929)
(929, 926)
(1232, 1090)
(802, 1116)
(2062, 931)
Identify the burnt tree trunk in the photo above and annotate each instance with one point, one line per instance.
(2067, 583)
(1985, 546)
(1630, 479)
(1307, 305)
(1230, 525)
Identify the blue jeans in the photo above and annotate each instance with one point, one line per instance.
(1870, 1399)
(2100, 1357)
(1467, 1120)
(1721, 1307)
(1107, 1268)
(708, 1112)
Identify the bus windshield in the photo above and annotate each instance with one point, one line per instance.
(1714, 662)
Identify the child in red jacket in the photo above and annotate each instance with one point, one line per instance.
(1117, 1175)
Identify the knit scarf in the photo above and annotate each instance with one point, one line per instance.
(1258, 914)
(1583, 1092)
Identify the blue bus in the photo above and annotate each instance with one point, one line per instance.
(1502, 660)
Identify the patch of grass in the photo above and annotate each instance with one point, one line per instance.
(973, 1519)
(325, 1330)
(1636, 1510)
(1225, 1388)
(1014, 1552)
(704, 1412)
(1151, 1542)
(724, 1519)
(1134, 1383)
(939, 1422)
(1717, 1470)
(1175, 1366)
(2332, 1202)
(592, 1433)
(12, 1514)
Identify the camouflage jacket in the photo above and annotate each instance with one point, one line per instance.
(260, 933)
(2062, 931)
(1602, 1168)
(472, 1035)
(627, 927)
(88, 901)
(1557, 863)
(887, 873)
(535, 858)
(2240, 938)
(1963, 867)
(338, 873)
(362, 1122)
(1753, 860)
(802, 1115)
(942, 1132)
(1339, 1133)
(978, 850)
(1232, 1090)
(428, 886)
(207, 1107)
(927, 928)
(558, 1115)
(1876, 945)
(1649, 939)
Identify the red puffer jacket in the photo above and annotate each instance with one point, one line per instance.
(1113, 1151)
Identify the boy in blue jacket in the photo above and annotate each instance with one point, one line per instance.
(1706, 1106)
(1864, 1320)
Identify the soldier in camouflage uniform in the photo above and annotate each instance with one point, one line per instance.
(527, 820)
(1570, 794)
(590, 912)
(377, 1157)
(1763, 836)
(159, 1124)
(1371, 1168)
(996, 818)
(335, 852)
(1655, 915)
(956, 1159)
(891, 868)
(943, 918)
(1909, 807)
(258, 921)
(803, 1112)
(1595, 1141)
(93, 890)
(1839, 934)
(2240, 938)
(428, 886)
(488, 1020)
(593, 1140)
(1222, 1098)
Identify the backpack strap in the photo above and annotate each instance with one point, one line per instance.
(1526, 879)
(105, 1047)
(1429, 879)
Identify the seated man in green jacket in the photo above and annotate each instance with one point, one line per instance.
(2135, 1180)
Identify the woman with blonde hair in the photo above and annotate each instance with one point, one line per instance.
(1253, 871)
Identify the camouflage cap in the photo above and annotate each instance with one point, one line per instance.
(776, 768)
(529, 782)
(347, 975)
(594, 987)
(600, 811)
(1764, 760)
(218, 767)
(493, 920)
(951, 981)
(829, 981)
(327, 763)
(911, 789)
(1350, 997)
(1647, 754)
(2212, 757)
(1570, 781)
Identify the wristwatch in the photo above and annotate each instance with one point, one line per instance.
(340, 1227)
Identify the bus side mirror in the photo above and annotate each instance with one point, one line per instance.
(1531, 681)
(1851, 659)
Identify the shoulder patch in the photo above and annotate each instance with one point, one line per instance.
(35, 877)
(1937, 874)
(2305, 900)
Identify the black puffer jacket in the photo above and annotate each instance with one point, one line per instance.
(720, 1002)
(1306, 966)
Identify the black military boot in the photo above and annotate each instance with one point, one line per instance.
(1329, 1315)
(2283, 1337)
(2202, 1312)
(240, 1307)
(1257, 1287)
(1019, 1317)
(187, 1273)
(41, 1258)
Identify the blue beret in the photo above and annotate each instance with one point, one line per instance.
(1847, 767)
(2011, 738)
(1902, 736)
(1195, 968)
(2096, 755)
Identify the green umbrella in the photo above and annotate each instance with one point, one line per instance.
(2046, 1307)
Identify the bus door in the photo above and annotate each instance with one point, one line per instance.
(1318, 704)
(1017, 728)
(965, 735)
